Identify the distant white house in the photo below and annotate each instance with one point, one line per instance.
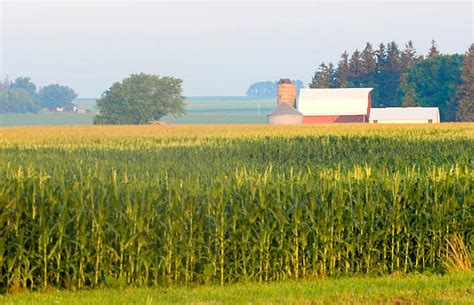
(405, 115)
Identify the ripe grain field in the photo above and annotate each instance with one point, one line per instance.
(188, 205)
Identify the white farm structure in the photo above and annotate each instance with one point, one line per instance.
(404, 115)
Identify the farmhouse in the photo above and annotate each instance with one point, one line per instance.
(334, 105)
(408, 115)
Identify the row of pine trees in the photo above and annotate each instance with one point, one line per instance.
(402, 77)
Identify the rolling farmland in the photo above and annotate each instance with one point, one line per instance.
(200, 110)
(184, 205)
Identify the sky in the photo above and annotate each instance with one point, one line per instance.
(216, 48)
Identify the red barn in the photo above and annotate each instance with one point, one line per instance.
(341, 105)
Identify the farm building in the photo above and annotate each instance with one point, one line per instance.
(284, 114)
(334, 105)
(286, 92)
(408, 115)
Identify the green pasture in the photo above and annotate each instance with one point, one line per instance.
(200, 110)
(413, 289)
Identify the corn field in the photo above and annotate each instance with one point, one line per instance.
(185, 205)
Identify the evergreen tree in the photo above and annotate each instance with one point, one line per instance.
(409, 98)
(393, 57)
(465, 92)
(408, 56)
(342, 71)
(368, 59)
(433, 52)
(356, 66)
(381, 55)
(322, 77)
(332, 76)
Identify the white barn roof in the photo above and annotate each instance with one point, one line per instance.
(340, 101)
(406, 113)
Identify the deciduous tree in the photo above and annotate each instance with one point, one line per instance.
(140, 99)
(465, 92)
(53, 96)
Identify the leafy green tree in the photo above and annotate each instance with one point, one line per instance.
(25, 83)
(435, 81)
(53, 96)
(140, 99)
(465, 92)
(20, 100)
(262, 89)
(342, 71)
(4, 101)
(268, 89)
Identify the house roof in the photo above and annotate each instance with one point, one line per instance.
(340, 101)
(406, 113)
(284, 109)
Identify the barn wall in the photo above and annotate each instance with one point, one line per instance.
(421, 121)
(334, 119)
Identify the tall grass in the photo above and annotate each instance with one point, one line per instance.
(144, 211)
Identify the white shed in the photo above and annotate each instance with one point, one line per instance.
(404, 115)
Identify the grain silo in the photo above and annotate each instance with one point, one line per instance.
(286, 91)
(283, 114)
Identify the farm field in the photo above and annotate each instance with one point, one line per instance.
(200, 110)
(192, 205)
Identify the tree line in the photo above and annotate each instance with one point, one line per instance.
(268, 89)
(22, 95)
(401, 77)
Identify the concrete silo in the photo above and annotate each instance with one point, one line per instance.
(283, 114)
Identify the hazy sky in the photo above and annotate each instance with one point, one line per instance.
(217, 48)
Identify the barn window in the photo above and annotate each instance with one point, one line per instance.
(430, 121)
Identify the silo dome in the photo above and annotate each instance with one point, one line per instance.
(283, 114)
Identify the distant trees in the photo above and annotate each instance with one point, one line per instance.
(53, 96)
(267, 89)
(140, 99)
(400, 77)
(21, 96)
(465, 93)
(342, 71)
(26, 84)
(435, 81)
(324, 77)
